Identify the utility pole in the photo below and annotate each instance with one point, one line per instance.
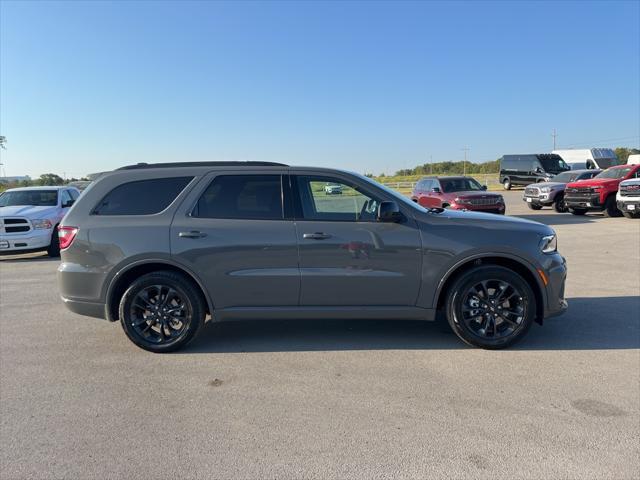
(431, 164)
(464, 164)
(554, 135)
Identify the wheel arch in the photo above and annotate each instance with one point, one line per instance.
(124, 277)
(523, 268)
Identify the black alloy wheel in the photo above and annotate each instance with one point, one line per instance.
(162, 311)
(491, 307)
(559, 205)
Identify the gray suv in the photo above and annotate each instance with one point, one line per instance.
(163, 247)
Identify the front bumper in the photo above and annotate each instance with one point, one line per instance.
(30, 241)
(544, 200)
(498, 208)
(556, 273)
(590, 202)
(632, 206)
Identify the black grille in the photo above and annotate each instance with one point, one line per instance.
(532, 192)
(15, 225)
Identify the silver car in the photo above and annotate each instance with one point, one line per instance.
(551, 193)
(163, 247)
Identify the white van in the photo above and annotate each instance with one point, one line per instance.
(633, 159)
(583, 158)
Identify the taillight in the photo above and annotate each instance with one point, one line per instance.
(66, 236)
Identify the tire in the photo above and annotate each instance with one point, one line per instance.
(53, 250)
(559, 205)
(534, 206)
(577, 211)
(146, 323)
(506, 184)
(611, 208)
(492, 329)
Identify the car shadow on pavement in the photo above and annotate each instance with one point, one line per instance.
(590, 324)
(561, 218)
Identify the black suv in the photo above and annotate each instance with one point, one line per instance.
(530, 168)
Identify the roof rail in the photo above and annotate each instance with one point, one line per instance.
(139, 166)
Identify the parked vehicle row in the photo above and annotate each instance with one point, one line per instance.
(160, 247)
(612, 191)
(29, 218)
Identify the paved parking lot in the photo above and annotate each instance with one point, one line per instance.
(379, 399)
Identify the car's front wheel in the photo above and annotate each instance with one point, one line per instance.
(506, 184)
(559, 205)
(162, 311)
(611, 208)
(490, 307)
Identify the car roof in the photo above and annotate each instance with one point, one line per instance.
(141, 166)
(52, 187)
(446, 177)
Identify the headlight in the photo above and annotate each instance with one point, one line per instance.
(460, 200)
(42, 223)
(500, 199)
(545, 189)
(549, 244)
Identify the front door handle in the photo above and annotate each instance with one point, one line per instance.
(192, 234)
(316, 236)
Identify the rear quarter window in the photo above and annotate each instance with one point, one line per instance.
(142, 197)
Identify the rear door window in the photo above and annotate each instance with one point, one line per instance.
(143, 197)
(246, 197)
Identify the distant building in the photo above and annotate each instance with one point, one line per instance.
(15, 179)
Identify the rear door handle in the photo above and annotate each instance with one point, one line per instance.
(316, 236)
(192, 234)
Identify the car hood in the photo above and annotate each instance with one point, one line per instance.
(30, 211)
(631, 181)
(595, 181)
(548, 184)
(490, 220)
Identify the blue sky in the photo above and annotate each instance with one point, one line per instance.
(373, 87)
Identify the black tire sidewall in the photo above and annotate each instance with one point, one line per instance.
(506, 184)
(470, 277)
(53, 250)
(185, 287)
(559, 205)
(611, 208)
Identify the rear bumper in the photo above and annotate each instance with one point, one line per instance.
(32, 241)
(88, 309)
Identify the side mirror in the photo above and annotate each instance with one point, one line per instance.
(483, 187)
(389, 212)
(436, 190)
(67, 204)
(538, 170)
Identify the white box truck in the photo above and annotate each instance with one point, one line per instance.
(581, 158)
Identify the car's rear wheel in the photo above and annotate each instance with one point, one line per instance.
(162, 311)
(559, 205)
(534, 206)
(53, 250)
(611, 208)
(506, 184)
(490, 307)
(578, 211)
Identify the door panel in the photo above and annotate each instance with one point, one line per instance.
(249, 258)
(346, 256)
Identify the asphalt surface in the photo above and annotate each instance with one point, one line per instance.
(322, 400)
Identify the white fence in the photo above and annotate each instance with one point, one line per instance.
(484, 178)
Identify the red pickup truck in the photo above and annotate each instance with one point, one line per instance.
(599, 193)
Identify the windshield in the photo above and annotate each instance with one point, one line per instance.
(36, 198)
(552, 163)
(565, 177)
(459, 185)
(393, 193)
(614, 173)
